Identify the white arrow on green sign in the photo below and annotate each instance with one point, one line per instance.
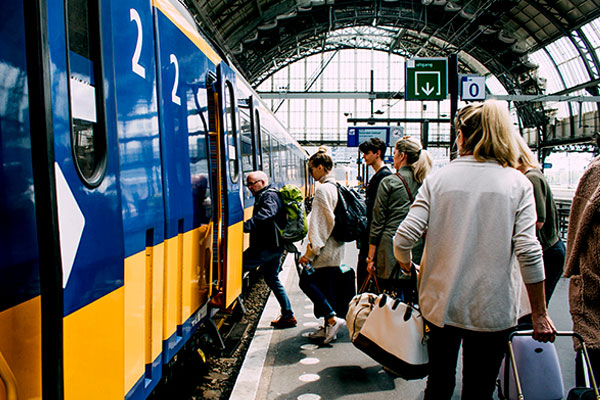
(426, 79)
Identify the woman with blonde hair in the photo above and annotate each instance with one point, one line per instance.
(546, 226)
(395, 194)
(479, 214)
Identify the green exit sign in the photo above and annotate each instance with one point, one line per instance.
(426, 79)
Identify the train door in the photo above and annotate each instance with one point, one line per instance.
(256, 129)
(229, 190)
(86, 170)
(182, 71)
(142, 195)
(20, 286)
(248, 149)
(249, 156)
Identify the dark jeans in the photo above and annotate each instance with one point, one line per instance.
(320, 289)
(482, 356)
(554, 262)
(594, 360)
(269, 267)
(361, 264)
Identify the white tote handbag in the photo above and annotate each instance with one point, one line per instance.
(394, 335)
(361, 306)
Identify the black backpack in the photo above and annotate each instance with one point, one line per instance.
(350, 215)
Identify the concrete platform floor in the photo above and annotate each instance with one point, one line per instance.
(285, 364)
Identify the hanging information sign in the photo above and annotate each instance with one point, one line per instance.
(358, 134)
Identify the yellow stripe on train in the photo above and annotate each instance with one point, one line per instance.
(247, 215)
(93, 349)
(169, 10)
(21, 346)
(188, 260)
(233, 273)
(164, 286)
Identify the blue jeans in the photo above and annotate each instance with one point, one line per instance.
(320, 289)
(554, 261)
(269, 267)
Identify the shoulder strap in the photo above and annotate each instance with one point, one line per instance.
(410, 196)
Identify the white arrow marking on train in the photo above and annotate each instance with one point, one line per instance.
(427, 89)
(70, 223)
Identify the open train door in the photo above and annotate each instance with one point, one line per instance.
(230, 213)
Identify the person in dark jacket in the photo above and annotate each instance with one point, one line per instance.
(265, 247)
(373, 151)
(547, 226)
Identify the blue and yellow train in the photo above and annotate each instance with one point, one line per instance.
(125, 137)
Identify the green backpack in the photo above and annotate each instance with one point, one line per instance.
(296, 227)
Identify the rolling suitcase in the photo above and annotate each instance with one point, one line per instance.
(345, 291)
(535, 364)
(539, 371)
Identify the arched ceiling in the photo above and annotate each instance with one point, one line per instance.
(489, 36)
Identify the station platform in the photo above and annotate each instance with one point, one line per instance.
(286, 364)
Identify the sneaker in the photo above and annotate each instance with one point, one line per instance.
(283, 323)
(319, 334)
(332, 330)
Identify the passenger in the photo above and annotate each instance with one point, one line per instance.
(393, 200)
(546, 227)
(373, 151)
(265, 248)
(583, 266)
(324, 252)
(479, 213)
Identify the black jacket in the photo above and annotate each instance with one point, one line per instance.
(371, 192)
(370, 196)
(268, 211)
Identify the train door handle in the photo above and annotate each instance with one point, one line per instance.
(7, 376)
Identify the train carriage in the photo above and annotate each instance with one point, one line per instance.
(125, 140)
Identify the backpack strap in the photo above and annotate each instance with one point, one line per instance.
(410, 196)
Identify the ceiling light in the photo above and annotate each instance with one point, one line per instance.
(506, 37)
(452, 7)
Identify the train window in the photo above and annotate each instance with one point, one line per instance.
(290, 167)
(265, 140)
(294, 167)
(257, 135)
(285, 163)
(88, 134)
(276, 157)
(231, 139)
(199, 167)
(247, 144)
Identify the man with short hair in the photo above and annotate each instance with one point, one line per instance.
(373, 152)
(265, 247)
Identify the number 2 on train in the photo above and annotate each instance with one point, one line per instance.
(135, 61)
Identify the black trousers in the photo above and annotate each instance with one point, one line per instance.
(482, 357)
(361, 264)
(554, 262)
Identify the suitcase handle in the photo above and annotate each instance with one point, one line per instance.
(559, 333)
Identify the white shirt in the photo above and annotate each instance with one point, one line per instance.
(478, 216)
(323, 250)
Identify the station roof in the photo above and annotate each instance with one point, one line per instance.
(489, 36)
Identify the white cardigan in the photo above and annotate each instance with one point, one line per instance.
(323, 250)
(478, 216)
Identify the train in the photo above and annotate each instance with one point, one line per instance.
(125, 139)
